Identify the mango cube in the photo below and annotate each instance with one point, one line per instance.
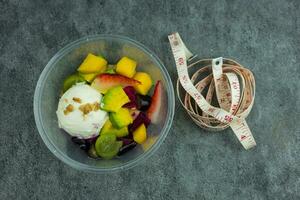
(146, 82)
(109, 129)
(126, 67)
(121, 118)
(114, 99)
(140, 134)
(92, 64)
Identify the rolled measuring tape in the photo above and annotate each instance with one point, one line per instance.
(231, 84)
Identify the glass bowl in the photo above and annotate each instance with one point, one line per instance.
(64, 63)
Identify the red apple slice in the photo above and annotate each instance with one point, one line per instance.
(103, 82)
(155, 106)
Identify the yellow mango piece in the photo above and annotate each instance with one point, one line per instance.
(146, 82)
(107, 126)
(92, 64)
(126, 67)
(140, 134)
(89, 77)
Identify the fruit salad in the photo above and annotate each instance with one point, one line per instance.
(106, 109)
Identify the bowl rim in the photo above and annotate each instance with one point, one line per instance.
(84, 167)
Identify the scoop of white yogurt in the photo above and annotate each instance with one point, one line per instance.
(79, 111)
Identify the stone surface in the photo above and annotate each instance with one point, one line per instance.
(192, 163)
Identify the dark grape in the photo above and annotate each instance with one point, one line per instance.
(84, 147)
(126, 148)
(126, 141)
(144, 102)
(83, 144)
(78, 141)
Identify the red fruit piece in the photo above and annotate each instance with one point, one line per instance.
(156, 101)
(139, 120)
(130, 91)
(103, 82)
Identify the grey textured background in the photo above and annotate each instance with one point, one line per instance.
(192, 163)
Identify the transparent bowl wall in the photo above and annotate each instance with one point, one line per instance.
(64, 63)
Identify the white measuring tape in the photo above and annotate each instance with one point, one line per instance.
(233, 84)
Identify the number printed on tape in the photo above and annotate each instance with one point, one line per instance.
(235, 97)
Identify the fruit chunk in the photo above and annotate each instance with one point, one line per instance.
(106, 127)
(109, 129)
(154, 109)
(89, 77)
(107, 146)
(130, 91)
(72, 80)
(111, 69)
(114, 99)
(103, 82)
(92, 64)
(121, 118)
(144, 102)
(84, 144)
(126, 67)
(126, 141)
(140, 134)
(145, 80)
(126, 147)
(138, 121)
(122, 132)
